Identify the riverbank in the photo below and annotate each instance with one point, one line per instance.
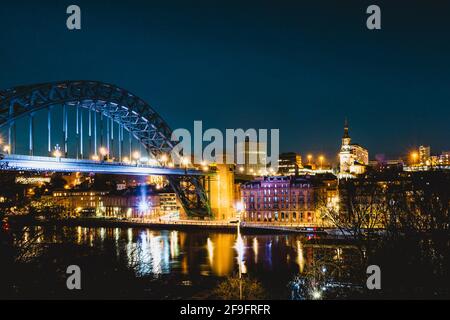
(222, 226)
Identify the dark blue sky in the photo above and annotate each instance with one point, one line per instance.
(298, 66)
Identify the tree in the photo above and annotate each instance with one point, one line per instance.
(361, 212)
(229, 289)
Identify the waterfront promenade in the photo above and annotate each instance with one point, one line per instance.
(179, 224)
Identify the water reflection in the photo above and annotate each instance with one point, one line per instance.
(155, 252)
(272, 259)
(300, 258)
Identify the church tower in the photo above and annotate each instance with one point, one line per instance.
(353, 158)
(346, 138)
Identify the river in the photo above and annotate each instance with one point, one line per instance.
(166, 264)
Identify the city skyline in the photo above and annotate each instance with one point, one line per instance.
(201, 150)
(269, 58)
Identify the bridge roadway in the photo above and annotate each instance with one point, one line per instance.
(33, 163)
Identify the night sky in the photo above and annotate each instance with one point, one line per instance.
(298, 66)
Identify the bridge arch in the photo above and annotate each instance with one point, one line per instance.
(134, 114)
(125, 108)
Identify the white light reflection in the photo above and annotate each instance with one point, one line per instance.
(210, 246)
(240, 249)
(174, 250)
(300, 257)
(255, 248)
(130, 235)
(79, 235)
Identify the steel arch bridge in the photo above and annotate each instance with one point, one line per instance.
(124, 108)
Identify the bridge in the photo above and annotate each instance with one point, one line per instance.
(91, 126)
(49, 164)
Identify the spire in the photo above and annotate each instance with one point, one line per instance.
(346, 129)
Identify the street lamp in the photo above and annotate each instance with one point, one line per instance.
(104, 153)
(239, 246)
(57, 153)
(7, 149)
(309, 158)
(321, 158)
(136, 156)
(414, 157)
(164, 159)
(185, 163)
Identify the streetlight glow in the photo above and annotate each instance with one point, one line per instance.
(136, 155)
(164, 158)
(321, 159)
(414, 156)
(185, 161)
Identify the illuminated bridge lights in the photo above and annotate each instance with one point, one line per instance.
(117, 111)
(33, 163)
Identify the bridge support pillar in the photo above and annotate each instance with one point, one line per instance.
(90, 131)
(95, 134)
(81, 134)
(77, 132)
(108, 147)
(49, 130)
(11, 137)
(65, 127)
(120, 141)
(31, 129)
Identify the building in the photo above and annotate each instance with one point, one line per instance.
(422, 160)
(221, 188)
(289, 164)
(424, 155)
(130, 203)
(353, 158)
(251, 157)
(279, 199)
(444, 158)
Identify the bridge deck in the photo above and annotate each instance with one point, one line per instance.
(34, 163)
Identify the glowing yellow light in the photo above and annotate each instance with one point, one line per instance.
(57, 154)
(241, 169)
(164, 158)
(7, 148)
(136, 155)
(255, 248)
(103, 151)
(316, 294)
(95, 157)
(210, 247)
(414, 156)
(126, 160)
(184, 161)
